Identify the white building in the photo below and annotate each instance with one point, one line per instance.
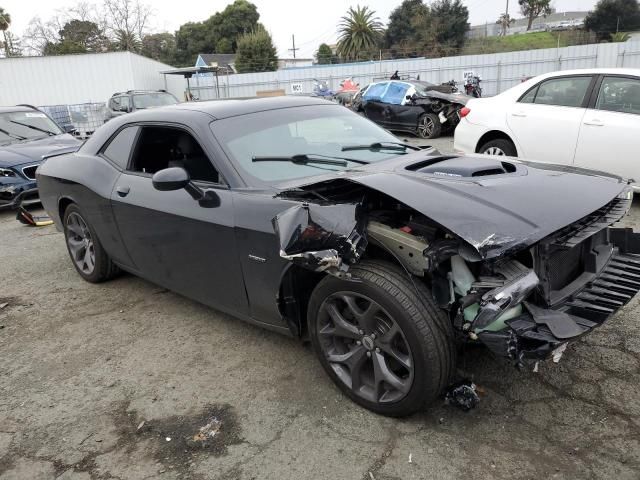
(83, 78)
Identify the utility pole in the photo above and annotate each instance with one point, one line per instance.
(506, 20)
(293, 40)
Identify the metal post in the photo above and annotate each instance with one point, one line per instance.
(622, 55)
(499, 77)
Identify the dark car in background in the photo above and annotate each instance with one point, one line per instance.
(26, 134)
(121, 103)
(421, 108)
(298, 215)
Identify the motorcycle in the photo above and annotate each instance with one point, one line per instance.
(472, 86)
(321, 89)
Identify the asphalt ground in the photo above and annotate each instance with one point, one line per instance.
(115, 381)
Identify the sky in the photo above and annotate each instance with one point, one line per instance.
(311, 21)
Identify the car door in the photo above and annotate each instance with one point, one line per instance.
(545, 121)
(610, 130)
(374, 107)
(172, 239)
(402, 113)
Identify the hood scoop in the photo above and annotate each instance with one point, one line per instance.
(464, 167)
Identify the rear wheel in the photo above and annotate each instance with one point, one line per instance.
(500, 147)
(90, 260)
(381, 339)
(429, 126)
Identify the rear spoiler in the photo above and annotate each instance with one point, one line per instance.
(61, 151)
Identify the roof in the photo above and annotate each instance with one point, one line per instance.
(231, 108)
(17, 108)
(219, 58)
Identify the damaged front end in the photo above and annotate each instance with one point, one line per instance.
(525, 303)
(321, 238)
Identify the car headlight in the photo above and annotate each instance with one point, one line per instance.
(4, 172)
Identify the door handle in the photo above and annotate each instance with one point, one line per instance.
(519, 114)
(123, 191)
(594, 123)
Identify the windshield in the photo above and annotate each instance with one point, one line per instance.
(321, 130)
(21, 126)
(149, 100)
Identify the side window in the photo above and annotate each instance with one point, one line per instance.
(125, 102)
(118, 149)
(530, 96)
(375, 91)
(619, 94)
(158, 148)
(395, 93)
(114, 103)
(562, 92)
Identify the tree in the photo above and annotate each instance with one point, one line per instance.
(360, 33)
(5, 22)
(127, 21)
(78, 36)
(236, 19)
(612, 16)
(532, 9)
(403, 27)
(324, 55)
(160, 47)
(218, 34)
(505, 21)
(450, 22)
(256, 52)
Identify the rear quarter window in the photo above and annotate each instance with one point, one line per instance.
(118, 149)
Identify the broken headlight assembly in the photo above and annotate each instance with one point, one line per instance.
(5, 172)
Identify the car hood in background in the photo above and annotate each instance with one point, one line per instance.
(492, 213)
(32, 152)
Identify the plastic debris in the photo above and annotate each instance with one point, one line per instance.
(168, 439)
(208, 431)
(140, 426)
(463, 395)
(410, 455)
(3, 305)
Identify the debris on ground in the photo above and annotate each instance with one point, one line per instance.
(463, 395)
(140, 426)
(208, 431)
(23, 216)
(4, 305)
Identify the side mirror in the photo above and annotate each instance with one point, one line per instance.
(174, 178)
(124, 108)
(68, 128)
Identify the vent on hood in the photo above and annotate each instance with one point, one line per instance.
(463, 167)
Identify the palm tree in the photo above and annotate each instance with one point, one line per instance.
(5, 21)
(360, 31)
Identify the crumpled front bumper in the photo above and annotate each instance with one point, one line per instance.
(540, 333)
(14, 193)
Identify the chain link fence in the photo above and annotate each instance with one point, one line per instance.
(85, 118)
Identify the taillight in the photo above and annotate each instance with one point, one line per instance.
(464, 111)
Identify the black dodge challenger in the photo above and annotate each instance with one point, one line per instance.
(301, 216)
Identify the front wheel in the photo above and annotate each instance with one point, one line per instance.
(381, 338)
(429, 126)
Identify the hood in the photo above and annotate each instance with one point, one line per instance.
(495, 204)
(32, 152)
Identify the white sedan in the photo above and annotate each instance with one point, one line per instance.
(584, 118)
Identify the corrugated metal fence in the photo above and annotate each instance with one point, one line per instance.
(499, 71)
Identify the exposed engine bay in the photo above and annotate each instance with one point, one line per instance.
(524, 304)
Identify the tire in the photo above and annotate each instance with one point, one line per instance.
(500, 147)
(429, 126)
(393, 363)
(94, 266)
